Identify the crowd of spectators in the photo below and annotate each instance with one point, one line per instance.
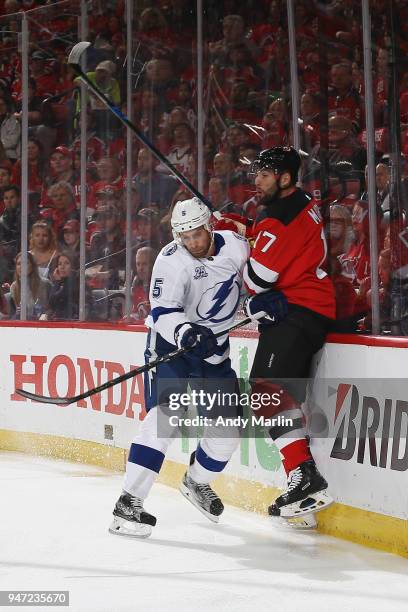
(247, 109)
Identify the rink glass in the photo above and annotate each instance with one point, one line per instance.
(297, 64)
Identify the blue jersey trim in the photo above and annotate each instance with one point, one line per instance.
(161, 310)
(212, 465)
(219, 242)
(146, 457)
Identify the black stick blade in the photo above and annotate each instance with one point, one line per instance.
(60, 401)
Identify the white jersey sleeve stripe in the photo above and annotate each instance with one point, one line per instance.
(264, 273)
(250, 284)
(254, 281)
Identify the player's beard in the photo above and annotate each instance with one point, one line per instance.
(269, 197)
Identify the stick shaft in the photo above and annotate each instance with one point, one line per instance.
(65, 401)
(118, 113)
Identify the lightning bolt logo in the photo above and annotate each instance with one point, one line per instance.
(224, 293)
(221, 296)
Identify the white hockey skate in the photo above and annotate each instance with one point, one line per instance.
(202, 497)
(130, 518)
(305, 495)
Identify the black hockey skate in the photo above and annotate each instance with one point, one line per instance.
(202, 497)
(306, 493)
(130, 518)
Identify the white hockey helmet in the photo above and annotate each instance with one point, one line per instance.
(188, 215)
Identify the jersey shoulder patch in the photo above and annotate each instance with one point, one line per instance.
(169, 250)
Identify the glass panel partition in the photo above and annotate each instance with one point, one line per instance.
(240, 102)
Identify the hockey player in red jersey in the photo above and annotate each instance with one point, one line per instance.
(287, 261)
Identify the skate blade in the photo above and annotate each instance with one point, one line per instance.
(130, 529)
(300, 523)
(313, 503)
(187, 494)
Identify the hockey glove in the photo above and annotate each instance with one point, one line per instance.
(269, 307)
(235, 223)
(200, 337)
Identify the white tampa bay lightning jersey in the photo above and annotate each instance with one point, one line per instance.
(204, 291)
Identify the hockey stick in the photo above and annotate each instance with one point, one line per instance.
(65, 401)
(74, 60)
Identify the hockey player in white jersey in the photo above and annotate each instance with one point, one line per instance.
(195, 292)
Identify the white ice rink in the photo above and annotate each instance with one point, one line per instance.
(54, 520)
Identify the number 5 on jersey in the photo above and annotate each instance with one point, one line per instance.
(157, 287)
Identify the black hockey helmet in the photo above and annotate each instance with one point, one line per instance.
(280, 160)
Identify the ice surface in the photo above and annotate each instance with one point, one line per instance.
(54, 519)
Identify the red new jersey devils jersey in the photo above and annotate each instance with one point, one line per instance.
(289, 254)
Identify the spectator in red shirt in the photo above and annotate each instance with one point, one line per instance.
(344, 100)
(36, 171)
(144, 261)
(46, 84)
(240, 65)
(61, 166)
(381, 82)
(109, 175)
(310, 72)
(111, 196)
(153, 30)
(356, 261)
(5, 180)
(182, 147)
(241, 108)
(235, 137)
(310, 128)
(169, 121)
(224, 168)
(147, 113)
(185, 99)
(95, 147)
(233, 28)
(274, 133)
(160, 78)
(62, 206)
